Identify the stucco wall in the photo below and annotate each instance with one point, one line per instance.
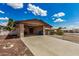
(38, 30)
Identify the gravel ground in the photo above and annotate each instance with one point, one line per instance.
(73, 37)
(13, 47)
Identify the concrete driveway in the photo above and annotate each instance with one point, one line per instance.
(50, 46)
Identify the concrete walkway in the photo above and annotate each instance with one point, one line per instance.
(50, 46)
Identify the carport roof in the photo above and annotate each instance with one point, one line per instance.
(18, 22)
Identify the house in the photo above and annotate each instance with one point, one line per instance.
(33, 27)
(71, 30)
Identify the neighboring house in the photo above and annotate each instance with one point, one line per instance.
(33, 27)
(71, 30)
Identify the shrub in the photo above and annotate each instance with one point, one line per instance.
(60, 32)
(9, 28)
(52, 32)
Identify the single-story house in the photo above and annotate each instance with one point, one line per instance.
(71, 30)
(33, 27)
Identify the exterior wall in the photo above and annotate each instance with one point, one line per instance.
(46, 32)
(38, 30)
(35, 31)
(26, 30)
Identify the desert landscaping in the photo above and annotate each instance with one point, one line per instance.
(13, 47)
(73, 37)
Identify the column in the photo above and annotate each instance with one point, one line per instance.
(48, 32)
(43, 30)
(21, 31)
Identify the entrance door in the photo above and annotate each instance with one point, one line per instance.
(31, 30)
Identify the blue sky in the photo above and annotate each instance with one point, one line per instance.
(55, 14)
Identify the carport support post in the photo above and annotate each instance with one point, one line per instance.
(21, 31)
(43, 30)
(48, 32)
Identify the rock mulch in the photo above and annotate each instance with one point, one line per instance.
(13, 47)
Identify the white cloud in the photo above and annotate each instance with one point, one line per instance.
(57, 17)
(36, 10)
(4, 23)
(58, 20)
(2, 12)
(4, 18)
(53, 18)
(15, 5)
(60, 14)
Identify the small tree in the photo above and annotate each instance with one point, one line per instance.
(11, 22)
(10, 25)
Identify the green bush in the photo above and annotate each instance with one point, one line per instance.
(9, 28)
(52, 32)
(60, 33)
